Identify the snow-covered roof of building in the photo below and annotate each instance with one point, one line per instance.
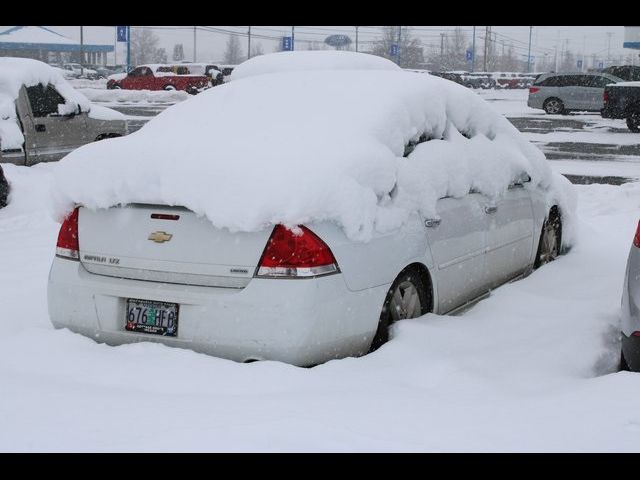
(300, 146)
(41, 38)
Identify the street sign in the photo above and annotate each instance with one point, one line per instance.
(579, 63)
(122, 34)
(600, 64)
(469, 55)
(394, 50)
(287, 44)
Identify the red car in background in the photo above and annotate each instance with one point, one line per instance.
(151, 77)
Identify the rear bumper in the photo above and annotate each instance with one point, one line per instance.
(608, 112)
(302, 322)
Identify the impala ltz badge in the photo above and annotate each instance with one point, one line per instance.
(160, 237)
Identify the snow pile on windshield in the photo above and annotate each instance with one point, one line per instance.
(303, 146)
(310, 60)
(15, 72)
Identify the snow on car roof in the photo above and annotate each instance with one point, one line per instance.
(15, 72)
(310, 60)
(301, 146)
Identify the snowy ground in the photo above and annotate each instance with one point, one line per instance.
(532, 368)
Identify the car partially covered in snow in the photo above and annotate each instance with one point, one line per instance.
(42, 117)
(159, 77)
(343, 194)
(4, 189)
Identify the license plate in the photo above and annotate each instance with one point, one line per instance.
(148, 316)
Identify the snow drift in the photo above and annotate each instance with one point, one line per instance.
(316, 144)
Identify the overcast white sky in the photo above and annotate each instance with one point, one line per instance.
(211, 40)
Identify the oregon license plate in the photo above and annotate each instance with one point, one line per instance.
(148, 316)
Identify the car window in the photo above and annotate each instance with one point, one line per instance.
(44, 100)
(182, 71)
(136, 72)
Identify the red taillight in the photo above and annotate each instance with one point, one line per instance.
(605, 96)
(533, 89)
(296, 254)
(636, 239)
(68, 245)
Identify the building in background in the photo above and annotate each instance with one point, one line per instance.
(631, 38)
(48, 46)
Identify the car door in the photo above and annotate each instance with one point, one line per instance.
(509, 233)
(569, 92)
(457, 239)
(50, 134)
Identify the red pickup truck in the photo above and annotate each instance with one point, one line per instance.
(148, 77)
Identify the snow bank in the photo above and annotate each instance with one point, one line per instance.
(134, 96)
(310, 60)
(312, 145)
(15, 72)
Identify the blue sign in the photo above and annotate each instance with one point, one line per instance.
(600, 64)
(287, 44)
(394, 50)
(579, 63)
(469, 55)
(122, 34)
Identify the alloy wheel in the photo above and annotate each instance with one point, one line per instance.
(405, 302)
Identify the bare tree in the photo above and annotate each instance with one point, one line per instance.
(144, 46)
(178, 52)
(257, 50)
(410, 49)
(233, 53)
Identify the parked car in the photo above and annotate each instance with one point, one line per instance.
(159, 77)
(454, 77)
(245, 286)
(486, 81)
(560, 93)
(630, 351)
(47, 119)
(506, 80)
(4, 189)
(81, 71)
(622, 100)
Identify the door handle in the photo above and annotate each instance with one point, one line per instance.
(490, 209)
(41, 127)
(432, 222)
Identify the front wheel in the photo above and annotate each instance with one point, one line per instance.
(633, 121)
(550, 239)
(408, 297)
(169, 88)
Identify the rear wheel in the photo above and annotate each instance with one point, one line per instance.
(169, 87)
(550, 239)
(408, 297)
(553, 106)
(633, 121)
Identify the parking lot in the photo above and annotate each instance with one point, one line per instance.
(533, 367)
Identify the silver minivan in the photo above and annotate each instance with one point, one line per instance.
(559, 93)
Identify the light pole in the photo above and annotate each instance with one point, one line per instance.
(529, 54)
(194, 45)
(473, 51)
(293, 43)
(81, 51)
(399, 34)
(249, 44)
(356, 39)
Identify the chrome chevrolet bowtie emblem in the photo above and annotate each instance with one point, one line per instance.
(160, 237)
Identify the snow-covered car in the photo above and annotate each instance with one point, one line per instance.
(334, 195)
(81, 71)
(630, 351)
(4, 189)
(42, 117)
